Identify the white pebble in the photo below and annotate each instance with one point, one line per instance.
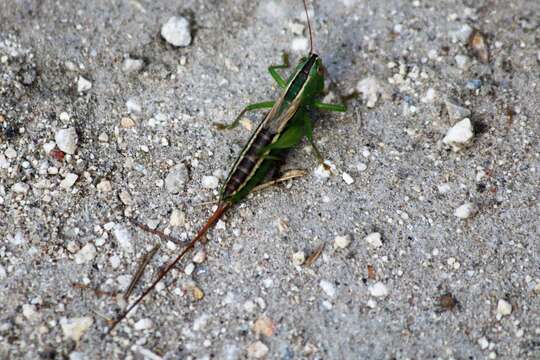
(176, 31)
(466, 210)
(104, 186)
(86, 254)
(462, 61)
(83, 84)
(29, 312)
(75, 328)
(199, 257)
(323, 172)
(430, 96)
(123, 237)
(115, 261)
(132, 65)
(328, 288)
(188, 270)
(299, 258)
(177, 218)
(66, 140)
(133, 106)
(144, 324)
(69, 180)
(504, 308)
(455, 111)
(460, 135)
(3, 273)
(378, 290)
(370, 89)
(10, 153)
(210, 182)
(361, 166)
(460, 34)
(257, 350)
(300, 44)
(342, 241)
(374, 239)
(176, 179)
(20, 188)
(64, 116)
(483, 342)
(347, 178)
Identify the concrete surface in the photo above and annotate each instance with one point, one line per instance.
(437, 287)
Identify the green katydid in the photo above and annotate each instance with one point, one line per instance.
(283, 127)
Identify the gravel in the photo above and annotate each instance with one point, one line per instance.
(137, 115)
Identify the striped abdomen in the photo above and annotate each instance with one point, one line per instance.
(247, 163)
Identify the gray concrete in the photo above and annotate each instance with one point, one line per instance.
(408, 192)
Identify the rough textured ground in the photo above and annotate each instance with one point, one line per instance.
(456, 288)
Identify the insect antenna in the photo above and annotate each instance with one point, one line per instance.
(309, 27)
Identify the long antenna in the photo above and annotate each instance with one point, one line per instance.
(309, 27)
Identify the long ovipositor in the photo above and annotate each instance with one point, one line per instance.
(284, 126)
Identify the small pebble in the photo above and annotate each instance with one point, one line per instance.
(347, 178)
(483, 342)
(69, 180)
(104, 186)
(10, 153)
(430, 96)
(66, 140)
(342, 241)
(64, 116)
(300, 44)
(199, 257)
(466, 210)
(328, 288)
(20, 188)
(74, 328)
(361, 167)
(176, 31)
(123, 236)
(29, 312)
(178, 218)
(188, 270)
(83, 84)
(474, 84)
(115, 261)
(370, 89)
(378, 290)
(176, 179)
(455, 111)
(374, 239)
(462, 61)
(504, 308)
(127, 123)
(264, 326)
(125, 198)
(461, 34)
(103, 137)
(143, 324)
(257, 350)
(460, 135)
(132, 65)
(323, 172)
(133, 107)
(299, 258)
(210, 182)
(86, 254)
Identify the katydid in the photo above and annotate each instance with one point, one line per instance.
(283, 127)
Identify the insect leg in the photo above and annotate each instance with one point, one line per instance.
(329, 107)
(275, 75)
(308, 128)
(250, 107)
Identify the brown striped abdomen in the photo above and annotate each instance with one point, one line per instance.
(248, 162)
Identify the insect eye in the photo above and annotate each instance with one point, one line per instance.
(320, 70)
